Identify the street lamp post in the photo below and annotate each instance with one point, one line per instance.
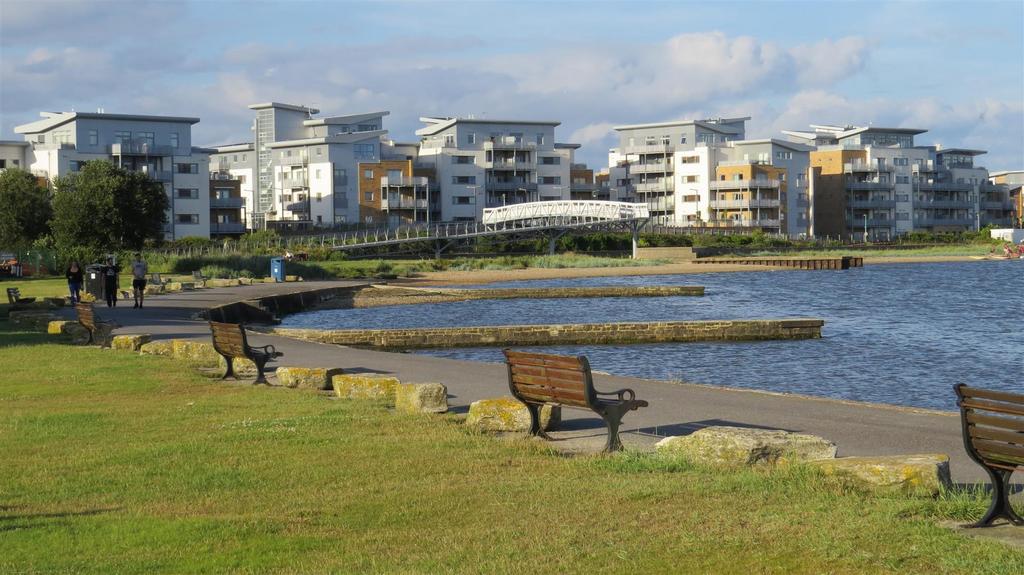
(865, 228)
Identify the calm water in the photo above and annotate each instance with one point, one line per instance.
(901, 334)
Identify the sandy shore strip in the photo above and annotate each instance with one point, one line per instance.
(474, 277)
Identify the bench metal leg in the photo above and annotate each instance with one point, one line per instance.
(260, 378)
(230, 372)
(612, 418)
(1000, 506)
(535, 428)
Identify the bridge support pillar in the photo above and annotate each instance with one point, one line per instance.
(635, 229)
(553, 240)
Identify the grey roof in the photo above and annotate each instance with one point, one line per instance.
(961, 151)
(239, 147)
(53, 119)
(436, 125)
(345, 119)
(569, 146)
(716, 124)
(292, 107)
(13, 143)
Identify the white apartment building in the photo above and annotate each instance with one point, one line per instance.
(300, 171)
(875, 183)
(14, 154)
(704, 173)
(481, 163)
(160, 146)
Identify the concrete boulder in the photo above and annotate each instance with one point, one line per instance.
(352, 386)
(196, 353)
(153, 289)
(908, 474)
(72, 329)
(59, 326)
(164, 347)
(509, 414)
(222, 282)
(34, 319)
(307, 377)
(130, 342)
(723, 445)
(421, 398)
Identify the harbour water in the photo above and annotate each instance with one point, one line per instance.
(900, 334)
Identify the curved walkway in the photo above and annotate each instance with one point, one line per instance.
(858, 429)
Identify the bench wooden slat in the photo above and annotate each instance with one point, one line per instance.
(548, 381)
(992, 406)
(974, 392)
(546, 360)
(561, 373)
(578, 400)
(1000, 450)
(992, 434)
(993, 421)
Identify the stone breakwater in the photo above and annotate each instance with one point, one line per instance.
(378, 296)
(564, 334)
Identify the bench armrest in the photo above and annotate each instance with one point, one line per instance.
(268, 349)
(621, 393)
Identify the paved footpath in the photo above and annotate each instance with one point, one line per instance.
(858, 429)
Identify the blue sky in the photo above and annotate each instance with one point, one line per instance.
(954, 68)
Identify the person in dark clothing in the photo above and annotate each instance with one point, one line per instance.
(110, 283)
(75, 278)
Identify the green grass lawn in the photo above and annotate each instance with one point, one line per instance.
(119, 463)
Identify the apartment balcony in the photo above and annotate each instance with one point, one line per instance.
(997, 205)
(944, 186)
(865, 167)
(871, 204)
(944, 222)
(227, 228)
(402, 182)
(743, 204)
(859, 223)
(299, 207)
(649, 149)
(140, 149)
(661, 205)
(405, 204)
(510, 165)
(495, 186)
(654, 188)
(943, 205)
(301, 160)
(508, 143)
(159, 175)
(582, 188)
(744, 184)
(762, 223)
(660, 168)
(292, 183)
(227, 203)
(925, 167)
(868, 186)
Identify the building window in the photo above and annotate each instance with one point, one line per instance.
(682, 139)
(902, 179)
(394, 176)
(187, 218)
(464, 180)
(551, 160)
(367, 174)
(540, 139)
(666, 140)
(94, 137)
(368, 196)
(244, 156)
(463, 200)
(74, 165)
(146, 139)
(241, 179)
(902, 197)
(186, 168)
(463, 160)
(123, 138)
(902, 216)
(364, 151)
(471, 138)
(783, 155)
(174, 140)
(187, 194)
(319, 152)
(691, 179)
(551, 180)
(689, 160)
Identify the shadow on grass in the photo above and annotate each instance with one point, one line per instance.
(15, 522)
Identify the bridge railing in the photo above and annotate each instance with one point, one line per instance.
(566, 209)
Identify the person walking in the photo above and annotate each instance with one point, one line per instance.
(75, 279)
(139, 271)
(110, 282)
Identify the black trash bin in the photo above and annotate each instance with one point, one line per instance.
(94, 281)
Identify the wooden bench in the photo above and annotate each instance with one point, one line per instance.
(87, 319)
(230, 342)
(993, 432)
(14, 297)
(539, 378)
(197, 276)
(156, 280)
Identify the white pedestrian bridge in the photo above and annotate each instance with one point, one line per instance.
(552, 219)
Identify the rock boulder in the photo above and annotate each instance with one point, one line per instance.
(360, 386)
(723, 445)
(421, 398)
(307, 377)
(509, 414)
(910, 474)
(130, 342)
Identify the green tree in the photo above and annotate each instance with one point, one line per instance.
(104, 208)
(26, 212)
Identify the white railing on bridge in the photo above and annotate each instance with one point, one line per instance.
(592, 210)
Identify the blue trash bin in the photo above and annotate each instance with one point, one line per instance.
(277, 269)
